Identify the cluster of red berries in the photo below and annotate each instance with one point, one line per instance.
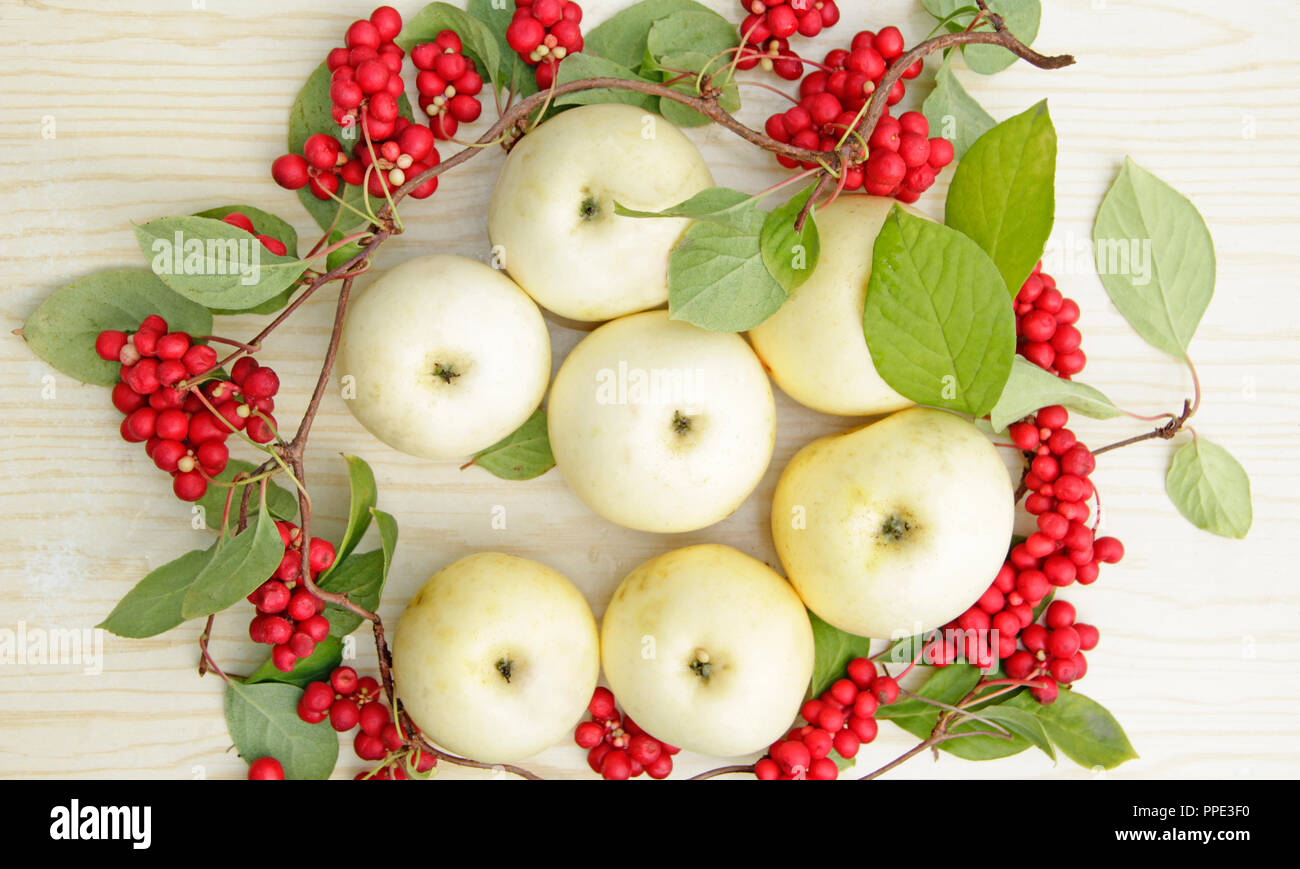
(1054, 650)
(289, 617)
(365, 84)
(184, 430)
(545, 32)
(448, 83)
(843, 719)
(617, 748)
(1063, 550)
(767, 29)
(900, 159)
(350, 701)
(1045, 326)
(366, 74)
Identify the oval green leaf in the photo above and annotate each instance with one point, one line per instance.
(1030, 388)
(154, 605)
(717, 279)
(623, 37)
(954, 114)
(1211, 489)
(833, 649)
(791, 254)
(240, 565)
(1155, 258)
(1003, 193)
(938, 318)
(263, 722)
(361, 577)
(1085, 732)
(316, 667)
(215, 264)
(523, 454)
(63, 329)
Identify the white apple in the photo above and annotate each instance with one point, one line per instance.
(814, 345)
(552, 211)
(496, 657)
(446, 355)
(708, 649)
(896, 527)
(659, 425)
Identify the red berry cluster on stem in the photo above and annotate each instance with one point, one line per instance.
(767, 29)
(350, 701)
(1045, 326)
(842, 719)
(365, 85)
(545, 32)
(289, 617)
(1064, 550)
(448, 83)
(616, 747)
(184, 430)
(1053, 651)
(900, 159)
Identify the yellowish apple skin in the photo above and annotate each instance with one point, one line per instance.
(627, 456)
(896, 527)
(814, 344)
(468, 618)
(435, 311)
(713, 602)
(552, 210)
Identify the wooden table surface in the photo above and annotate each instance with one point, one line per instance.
(117, 112)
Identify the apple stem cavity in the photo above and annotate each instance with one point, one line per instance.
(681, 422)
(701, 665)
(895, 528)
(504, 666)
(589, 209)
(445, 373)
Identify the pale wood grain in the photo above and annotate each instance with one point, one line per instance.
(162, 109)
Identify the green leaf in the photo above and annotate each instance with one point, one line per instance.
(63, 329)
(316, 667)
(240, 565)
(1022, 18)
(717, 204)
(938, 317)
(281, 503)
(701, 31)
(623, 37)
(1155, 258)
(946, 685)
(1002, 194)
(479, 40)
(387, 526)
(513, 72)
(154, 605)
(263, 722)
(1085, 732)
(954, 114)
(833, 649)
(1210, 488)
(694, 61)
(310, 115)
(215, 264)
(583, 65)
(1030, 388)
(343, 254)
(523, 454)
(361, 577)
(1023, 722)
(717, 279)
(790, 254)
(363, 497)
